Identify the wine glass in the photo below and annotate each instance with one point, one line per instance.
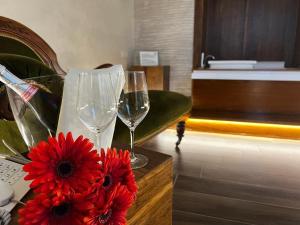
(132, 109)
(96, 103)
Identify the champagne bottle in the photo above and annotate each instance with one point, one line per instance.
(44, 105)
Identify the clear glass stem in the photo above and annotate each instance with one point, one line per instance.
(98, 142)
(133, 157)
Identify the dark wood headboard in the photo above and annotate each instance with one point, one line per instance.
(17, 31)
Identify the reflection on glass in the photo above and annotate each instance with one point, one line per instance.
(37, 119)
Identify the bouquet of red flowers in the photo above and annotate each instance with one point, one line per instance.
(75, 185)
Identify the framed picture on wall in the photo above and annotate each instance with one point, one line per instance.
(149, 58)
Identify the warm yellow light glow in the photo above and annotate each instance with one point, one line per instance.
(241, 123)
(248, 128)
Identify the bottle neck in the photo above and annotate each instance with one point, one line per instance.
(23, 89)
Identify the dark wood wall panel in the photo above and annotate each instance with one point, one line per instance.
(291, 37)
(225, 28)
(295, 59)
(265, 30)
(269, 26)
(199, 30)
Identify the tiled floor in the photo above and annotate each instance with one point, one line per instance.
(227, 179)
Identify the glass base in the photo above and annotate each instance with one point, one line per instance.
(139, 161)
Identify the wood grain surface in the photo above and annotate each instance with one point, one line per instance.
(265, 30)
(262, 101)
(158, 77)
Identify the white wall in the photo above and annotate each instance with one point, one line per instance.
(168, 26)
(83, 33)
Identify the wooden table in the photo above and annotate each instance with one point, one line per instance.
(154, 199)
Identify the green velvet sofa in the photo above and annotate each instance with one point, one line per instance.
(25, 58)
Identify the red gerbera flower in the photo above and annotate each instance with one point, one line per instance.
(43, 210)
(62, 165)
(111, 209)
(116, 169)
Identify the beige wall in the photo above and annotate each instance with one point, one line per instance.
(86, 33)
(83, 33)
(168, 26)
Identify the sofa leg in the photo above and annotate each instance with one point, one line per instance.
(180, 132)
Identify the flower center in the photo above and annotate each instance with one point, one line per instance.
(61, 209)
(104, 217)
(107, 181)
(65, 169)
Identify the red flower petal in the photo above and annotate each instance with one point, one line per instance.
(63, 165)
(116, 165)
(55, 211)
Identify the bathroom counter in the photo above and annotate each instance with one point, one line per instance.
(271, 96)
(263, 75)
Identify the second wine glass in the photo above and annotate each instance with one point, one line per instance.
(96, 103)
(133, 107)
